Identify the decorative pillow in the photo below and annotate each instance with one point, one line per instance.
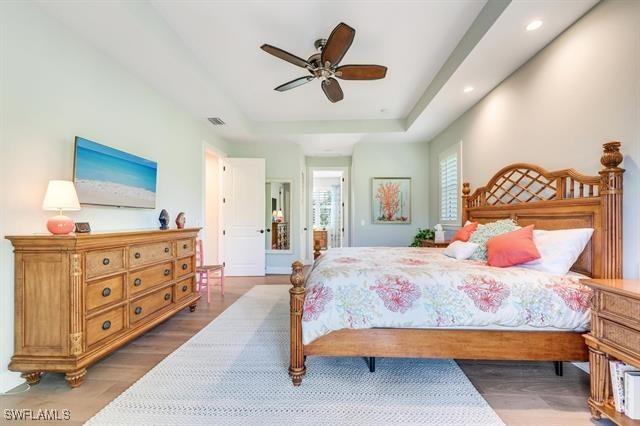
(559, 249)
(512, 248)
(460, 250)
(488, 231)
(463, 234)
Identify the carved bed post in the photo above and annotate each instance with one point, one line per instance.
(316, 249)
(611, 196)
(466, 190)
(297, 368)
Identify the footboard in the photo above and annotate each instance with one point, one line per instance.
(297, 368)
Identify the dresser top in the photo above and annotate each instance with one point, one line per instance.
(629, 288)
(74, 240)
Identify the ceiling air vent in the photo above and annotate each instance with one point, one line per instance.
(216, 121)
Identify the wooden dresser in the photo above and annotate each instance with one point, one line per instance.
(615, 334)
(80, 297)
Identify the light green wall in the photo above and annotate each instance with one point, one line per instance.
(556, 111)
(388, 160)
(283, 161)
(344, 161)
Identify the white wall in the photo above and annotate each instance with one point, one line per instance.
(388, 160)
(54, 87)
(556, 111)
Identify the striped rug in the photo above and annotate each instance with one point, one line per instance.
(234, 372)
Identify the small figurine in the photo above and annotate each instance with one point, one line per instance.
(164, 219)
(180, 220)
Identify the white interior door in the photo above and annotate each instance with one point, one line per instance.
(243, 216)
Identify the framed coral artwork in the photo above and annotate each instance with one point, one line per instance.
(391, 200)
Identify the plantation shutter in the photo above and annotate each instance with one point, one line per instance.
(449, 191)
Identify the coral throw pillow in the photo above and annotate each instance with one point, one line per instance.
(463, 234)
(513, 248)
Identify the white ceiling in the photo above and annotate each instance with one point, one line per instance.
(205, 56)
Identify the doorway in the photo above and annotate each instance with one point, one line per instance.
(212, 186)
(328, 208)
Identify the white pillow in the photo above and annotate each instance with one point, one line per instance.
(460, 250)
(559, 249)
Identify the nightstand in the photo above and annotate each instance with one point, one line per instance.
(431, 243)
(615, 334)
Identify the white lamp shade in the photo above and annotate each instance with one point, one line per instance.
(61, 195)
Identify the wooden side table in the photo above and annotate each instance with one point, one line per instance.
(431, 243)
(615, 334)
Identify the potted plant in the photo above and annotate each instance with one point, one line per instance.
(423, 234)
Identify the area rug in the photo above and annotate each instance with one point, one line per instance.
(234, 372)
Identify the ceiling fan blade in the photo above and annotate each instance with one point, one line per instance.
(284, 55)
(361, 72)
(338, 43)
(294, 83)
(332, 89)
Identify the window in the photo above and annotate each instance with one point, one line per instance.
(450, 185)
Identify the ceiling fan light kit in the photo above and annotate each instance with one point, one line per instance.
(324, 64)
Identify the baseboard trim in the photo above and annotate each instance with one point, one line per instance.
(9, 380)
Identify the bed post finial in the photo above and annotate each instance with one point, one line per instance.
(297, 368)
(466, 190)
(611, 196)
(317, 247)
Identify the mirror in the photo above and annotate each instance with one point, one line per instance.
(278, 215)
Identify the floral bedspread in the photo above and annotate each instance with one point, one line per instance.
(403, 287)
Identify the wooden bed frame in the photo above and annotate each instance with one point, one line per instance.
(526, 193)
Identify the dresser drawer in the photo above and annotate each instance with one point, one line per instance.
(104, 325)
(621, 336)
(146, 278)
(184, 288)
(148, 305)
(184, 266)
(102, 262)
(149, 253)
(625, 308)
(184, 247)
(102, 292)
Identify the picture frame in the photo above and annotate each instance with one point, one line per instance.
(391, 200)
(83, 228)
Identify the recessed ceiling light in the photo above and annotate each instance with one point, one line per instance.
(534, 25)
(468, 89)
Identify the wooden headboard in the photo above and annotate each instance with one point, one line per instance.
(562, 199)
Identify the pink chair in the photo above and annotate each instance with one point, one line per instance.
(205, 273)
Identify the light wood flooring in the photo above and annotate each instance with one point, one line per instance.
(521, 393)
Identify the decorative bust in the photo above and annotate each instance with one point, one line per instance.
(164, 219)
(180, 220)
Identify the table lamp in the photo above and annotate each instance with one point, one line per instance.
(61, 195)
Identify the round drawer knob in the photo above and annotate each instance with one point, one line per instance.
(184, 266)
(167, 296)
(167, 272)
(138, 310)
(105, 261)
(166, 249)
(184, 288)
(137, 255)
(106, 292)
(184, 246)
(137, 282)
(106, 325)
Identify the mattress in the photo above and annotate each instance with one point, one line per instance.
(404, 287)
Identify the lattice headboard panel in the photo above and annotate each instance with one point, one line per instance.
(562, 199)
(526, 183)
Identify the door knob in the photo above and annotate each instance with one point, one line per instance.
(261, 231)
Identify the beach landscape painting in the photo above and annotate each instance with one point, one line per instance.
(110, 177)
(391, 201)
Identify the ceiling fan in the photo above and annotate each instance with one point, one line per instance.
(323, 65)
